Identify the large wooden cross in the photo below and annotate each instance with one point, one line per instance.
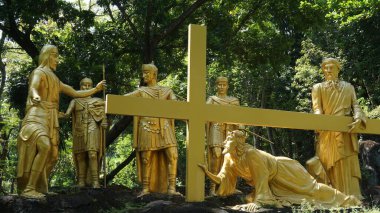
(197, 113)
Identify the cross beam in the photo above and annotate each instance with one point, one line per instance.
(237, 114)
(197, 113)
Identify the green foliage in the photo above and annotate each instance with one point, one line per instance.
(9, 123)
(64, 171)
(270, 50)
(117, 153)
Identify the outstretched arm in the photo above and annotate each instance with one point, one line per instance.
(213, 178)
(68, 90)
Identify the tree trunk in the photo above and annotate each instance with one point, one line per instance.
(2, 67)
(117, 129)
(263, 105)
(121, 166)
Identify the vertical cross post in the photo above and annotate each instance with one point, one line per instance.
(196, 96)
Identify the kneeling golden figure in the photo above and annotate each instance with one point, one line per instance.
(278, 181)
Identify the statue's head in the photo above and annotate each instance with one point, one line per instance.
(235, 142)
(149, 72)
(222, 85)
(331, 68)
(48, 57)
(86, 84)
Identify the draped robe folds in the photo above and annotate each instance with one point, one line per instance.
(88, 114)
(338, 151)
(277, 180)
(154, 134)
(40, 120)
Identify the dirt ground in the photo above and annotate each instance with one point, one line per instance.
(121, 199)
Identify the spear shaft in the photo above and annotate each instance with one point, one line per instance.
(104, 137)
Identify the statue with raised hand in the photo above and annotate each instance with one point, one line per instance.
(89, 123)
(37, 143)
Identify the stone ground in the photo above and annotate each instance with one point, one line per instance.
(119, 199)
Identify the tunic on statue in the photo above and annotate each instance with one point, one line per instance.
(338, 151)
(217, 132)
(154, 134)
(40, 120)
(87, 116)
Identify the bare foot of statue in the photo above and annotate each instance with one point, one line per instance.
(173, 192)
(51, 193)
(81, 184)
(96, 185)
(144, 192)
(212, 193)
(31, 193)
(249, 207)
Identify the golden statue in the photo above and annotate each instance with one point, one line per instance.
(89, 123)
(278, 181)
(37, 143)
(217, 132)
(338, 151)
(154, 140)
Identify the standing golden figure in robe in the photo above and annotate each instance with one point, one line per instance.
(217, 132)
(278, 181)
(89, 124)
(154, 140)
(37, 144)
(338, 151)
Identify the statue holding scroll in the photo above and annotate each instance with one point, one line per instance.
(89, 123)
(154, 140)
(217, 132)
(338, 151)
(278, 181)
(37, 143)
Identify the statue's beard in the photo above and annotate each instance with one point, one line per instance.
(333, 84)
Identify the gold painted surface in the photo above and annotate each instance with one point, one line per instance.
(88, 123)
(278, 181)
(37, 143)
(197, 112)
(338, 151)
(196, 96)
(235, 114)
(154, 139)
(217, 132)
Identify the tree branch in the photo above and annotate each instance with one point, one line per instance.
(108, 8)
(2, 65)
(13, 32)
(126, 17)
(121, 166)
(117, 129)
(174, 25)
(247, 17)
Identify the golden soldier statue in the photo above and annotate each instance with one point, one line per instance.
(89, 123)
(338, 151)
(278, 181)
(37, 144)
(217, 132)
(154, 140)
